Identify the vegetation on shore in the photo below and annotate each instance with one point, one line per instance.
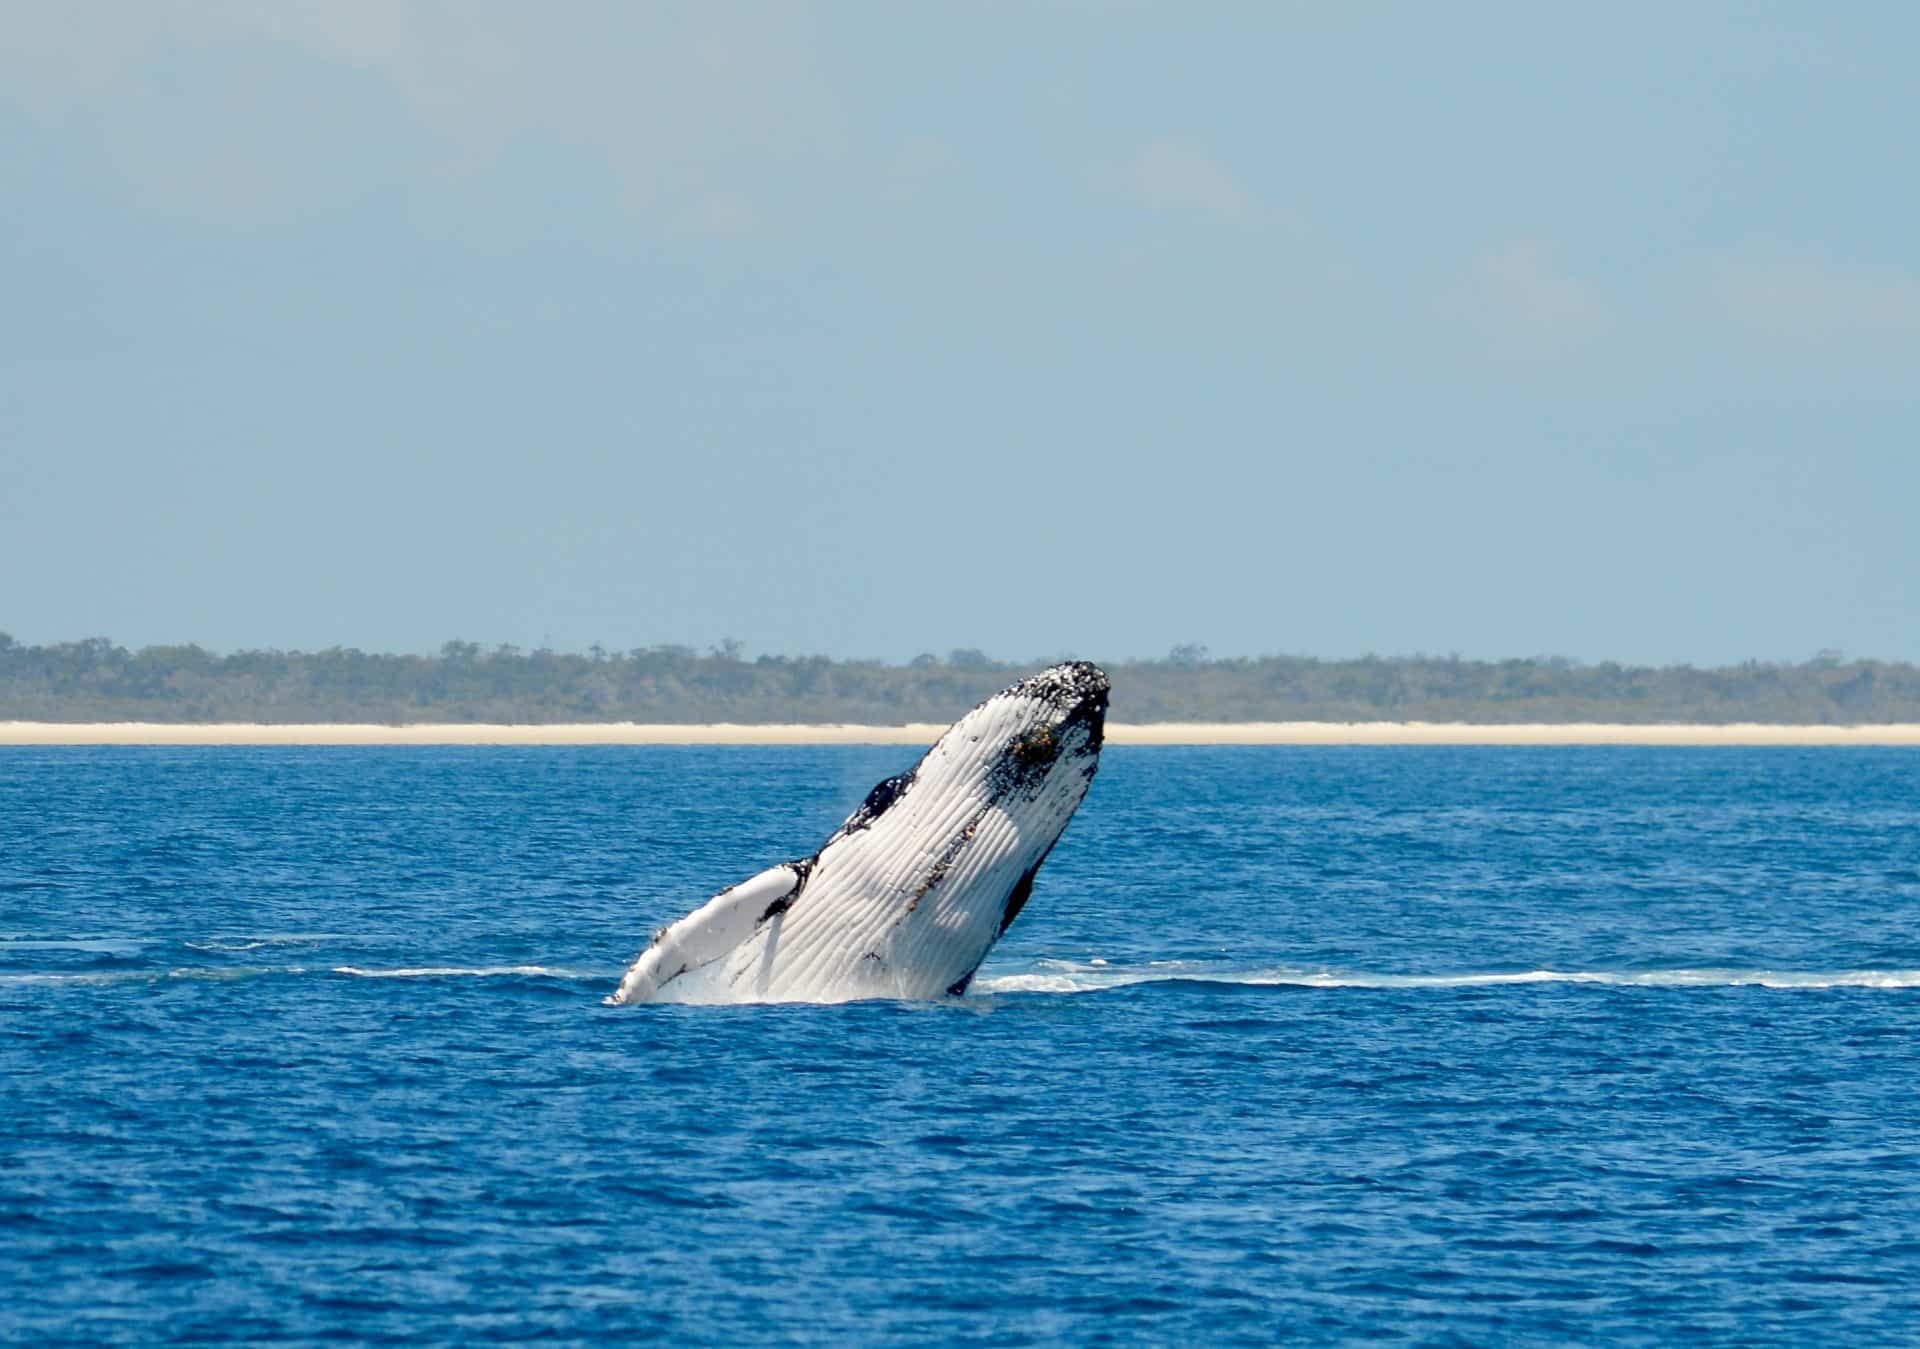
(95, 680)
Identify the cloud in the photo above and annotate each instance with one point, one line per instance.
(707, 118)
(1518, 305)
(1171, 175)
(1810, 304)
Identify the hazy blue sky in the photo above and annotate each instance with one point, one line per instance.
(874, 329)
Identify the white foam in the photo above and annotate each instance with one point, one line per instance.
(1065, 977)
(472, 972)
(225, 973)
(255, 943)
(210, 974)
(12, 980)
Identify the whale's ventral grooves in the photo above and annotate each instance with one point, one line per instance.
(905, 898)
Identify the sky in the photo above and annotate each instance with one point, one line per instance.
(871, 329)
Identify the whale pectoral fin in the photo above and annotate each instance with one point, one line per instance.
(712, 930)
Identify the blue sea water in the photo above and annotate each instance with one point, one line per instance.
(1431, 1045)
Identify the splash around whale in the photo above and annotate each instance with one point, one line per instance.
(907, 896)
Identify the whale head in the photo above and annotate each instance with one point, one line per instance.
(1035, 743)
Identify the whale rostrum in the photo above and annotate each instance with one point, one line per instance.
(907, 896)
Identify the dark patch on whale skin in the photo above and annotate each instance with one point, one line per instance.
(802, 865)
(1080, 690)
(879, 801)
(1023, 765)
(1089, 709)
(1064, 685)
(959, 986)
(1017, 898)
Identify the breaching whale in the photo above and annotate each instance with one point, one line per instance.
(906, 897)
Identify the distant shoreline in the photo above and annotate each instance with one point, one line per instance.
(97, 681)
(22, 733)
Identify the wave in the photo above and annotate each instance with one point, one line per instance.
(475, 972)
(207, 973)
(254, 942)
(1094, 976)
(218, 944)
(229, 973)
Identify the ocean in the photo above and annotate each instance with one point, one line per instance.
(1428, 1045)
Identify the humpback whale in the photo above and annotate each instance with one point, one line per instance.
(905, 898)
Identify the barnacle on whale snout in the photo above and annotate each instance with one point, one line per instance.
(1036, 749)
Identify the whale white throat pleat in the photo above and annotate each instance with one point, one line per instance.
(906, 897)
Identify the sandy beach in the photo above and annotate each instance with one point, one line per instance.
(1164, 733)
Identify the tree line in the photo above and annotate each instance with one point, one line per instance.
(97, 680)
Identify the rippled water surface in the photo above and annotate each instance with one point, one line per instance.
(1454, 1045)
